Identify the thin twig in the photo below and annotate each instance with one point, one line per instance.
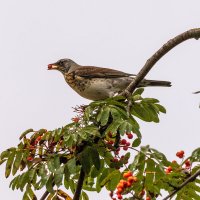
(193, 33)
(190, 179)
(79, 185)
(44, 195)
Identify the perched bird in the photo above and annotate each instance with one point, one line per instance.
(97, 83)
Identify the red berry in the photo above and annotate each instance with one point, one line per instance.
(127, 174)
(129, 184)
(119, 190)
(130, 136)
(128, 144)
(116, 152)
(142, 193)
(131, 179)
(110, 135)
(169, 168)
(119, 196)
(31, 147)
(30, 158)
(110, 142)
(125, 148)
(115, 160)
(39, 138)
(120, 185)
(76, 119)
(122, 157)
(148, 198)
(187, 163)
(180, 154)
(123, 141)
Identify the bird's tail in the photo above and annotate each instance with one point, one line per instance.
(146, 83)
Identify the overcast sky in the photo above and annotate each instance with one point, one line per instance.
(116, 34)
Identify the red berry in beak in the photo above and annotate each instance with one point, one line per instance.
(49, 66)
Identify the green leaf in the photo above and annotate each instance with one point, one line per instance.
(5, 154)
(24, 179)
(10, 162)
(71, 165)
(25, 133)
(150, 100)
(72, 185)
(150, 172)
(195, 157)
(57, 162)
(86, 163)
(113, 127)
(58, 176)
(51, 165)
(89, 157)
(84, 196)
(32, 173)
(111, 180)
(17, 162)
(141, 112)
(2, 161)
(114, 180)
(25, 196)
(105, 115)
(14, 182)
(30, 193)
(161, 108)
(152, 112)
(138, 91)
(160, 157)
(136, 142)
(94, 157)
(50, 184)
(95, 172)
(115, 114)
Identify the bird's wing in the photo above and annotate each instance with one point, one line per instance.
(99, 72)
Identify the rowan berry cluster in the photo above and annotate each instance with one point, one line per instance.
(180, 154)
(123, 144)
(123, 184)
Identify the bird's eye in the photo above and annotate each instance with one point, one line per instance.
(60, 63)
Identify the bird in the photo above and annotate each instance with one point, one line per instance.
(98, 83)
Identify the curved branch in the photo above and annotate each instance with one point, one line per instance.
(190, 179)
(193, 33)
(79, 185)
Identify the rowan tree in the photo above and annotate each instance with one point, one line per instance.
(101, 148)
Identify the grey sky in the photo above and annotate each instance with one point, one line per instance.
(116, 34)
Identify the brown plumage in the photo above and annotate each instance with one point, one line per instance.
(97, 83)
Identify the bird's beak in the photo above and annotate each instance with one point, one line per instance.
(52, 66)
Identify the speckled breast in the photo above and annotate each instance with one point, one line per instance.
(76, 82)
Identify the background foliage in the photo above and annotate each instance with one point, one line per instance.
(104, 141)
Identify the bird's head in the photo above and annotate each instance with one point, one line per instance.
(62, 65)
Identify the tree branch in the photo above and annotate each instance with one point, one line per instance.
(193, 33)
(190, 179)
(79, 185)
